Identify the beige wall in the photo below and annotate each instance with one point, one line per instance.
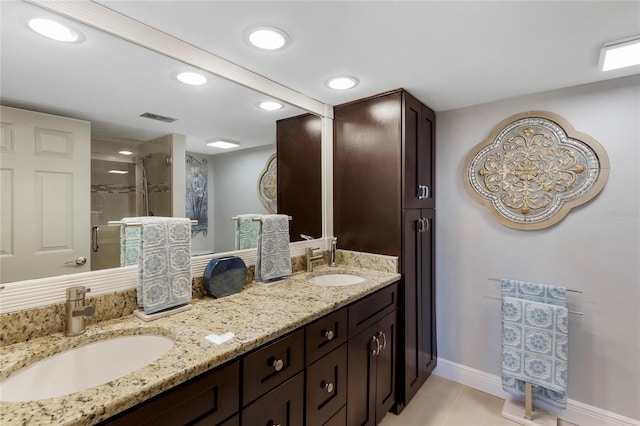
(596, 248)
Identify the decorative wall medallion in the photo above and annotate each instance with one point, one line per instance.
(268, 185)
(533, 169)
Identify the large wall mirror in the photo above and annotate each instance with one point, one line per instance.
(105, 84)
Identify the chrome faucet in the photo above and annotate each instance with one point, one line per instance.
(77, 311)
(311, 257)
(334, 247)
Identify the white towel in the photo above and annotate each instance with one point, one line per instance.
(130, 241)
(273, 258)
(164, 266)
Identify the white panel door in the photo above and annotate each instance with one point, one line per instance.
(45, 203)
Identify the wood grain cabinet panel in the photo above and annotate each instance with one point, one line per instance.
(209, 399)
(271, 365)
(283, 406)
(326, 388)
(326, 334)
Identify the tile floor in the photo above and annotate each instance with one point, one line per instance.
(441, 402)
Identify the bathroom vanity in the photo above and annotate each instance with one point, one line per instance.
(286, 364)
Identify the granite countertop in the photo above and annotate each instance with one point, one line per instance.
(256, 315)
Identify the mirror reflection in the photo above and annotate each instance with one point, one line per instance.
(101, 111)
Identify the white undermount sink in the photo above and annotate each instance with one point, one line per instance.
(336, 280)
(83, 367)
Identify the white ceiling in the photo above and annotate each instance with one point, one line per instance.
(449, 54)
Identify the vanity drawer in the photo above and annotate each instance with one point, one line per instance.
(372, 308)
(282, 406)
(214, 395)
(326, 387)
(271, 365)
(326, 334)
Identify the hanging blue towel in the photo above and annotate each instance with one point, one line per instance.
(535, 349)
(247, 231)
(164, 266)
(273, 258)
(130, 241)
(542, 293)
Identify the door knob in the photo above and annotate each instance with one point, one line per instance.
(79, 261)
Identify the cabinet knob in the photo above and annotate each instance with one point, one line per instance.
(384, 340)
(328, 334)
(277, 364)
(327, 386)
(272, 423)
(375, 350)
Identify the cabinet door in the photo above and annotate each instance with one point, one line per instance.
(385, 366)
(282, 406)
(361, 381)
(326, 387)
(299, 142)
(410, 320)
(418, 135)
(427, 293)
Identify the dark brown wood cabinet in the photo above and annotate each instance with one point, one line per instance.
(210, 399)
(282, 406)
(372, 357)
(384, 202)
(299, 142)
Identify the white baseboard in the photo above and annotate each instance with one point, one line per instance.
(576, 412)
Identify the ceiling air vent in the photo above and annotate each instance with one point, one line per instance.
(158, 117)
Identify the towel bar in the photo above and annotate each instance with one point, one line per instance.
(498, 298)
(257, 219)
(568, 289)
(135, 224)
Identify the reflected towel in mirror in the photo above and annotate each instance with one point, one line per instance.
(246, 231)
(273, 257)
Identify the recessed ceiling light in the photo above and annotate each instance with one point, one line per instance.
(192, 78)
(620, 54)
(125, 152)
(268, 38)
(223, 144)
(271, 105)
(342, 83)
(118, 172)
(53, 30)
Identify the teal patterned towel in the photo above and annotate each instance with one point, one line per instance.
(247, 231)
(273, 258)
(542, 293)
(535, 349)
(130, 241)
(164, 266)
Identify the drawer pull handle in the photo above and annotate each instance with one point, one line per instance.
(278, 364)
(328, 334)
(384, 340)
(375, 351)
(327, 386)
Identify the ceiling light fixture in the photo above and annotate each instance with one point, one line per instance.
(342, 83)
(223, 144)
(125, 152)
(192, 78)
(270, 105)
(268, 38)
(118, 172)
(620, 54)
(53, 30)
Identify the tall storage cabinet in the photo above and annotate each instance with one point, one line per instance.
(384, 202)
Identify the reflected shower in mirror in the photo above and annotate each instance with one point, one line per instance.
(141, 122)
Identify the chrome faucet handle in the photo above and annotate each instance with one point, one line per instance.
(306, 237)
(77, 293)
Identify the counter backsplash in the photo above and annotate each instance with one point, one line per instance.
(33, 323)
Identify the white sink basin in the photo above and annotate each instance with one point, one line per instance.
(83, 367)
(336, 280)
